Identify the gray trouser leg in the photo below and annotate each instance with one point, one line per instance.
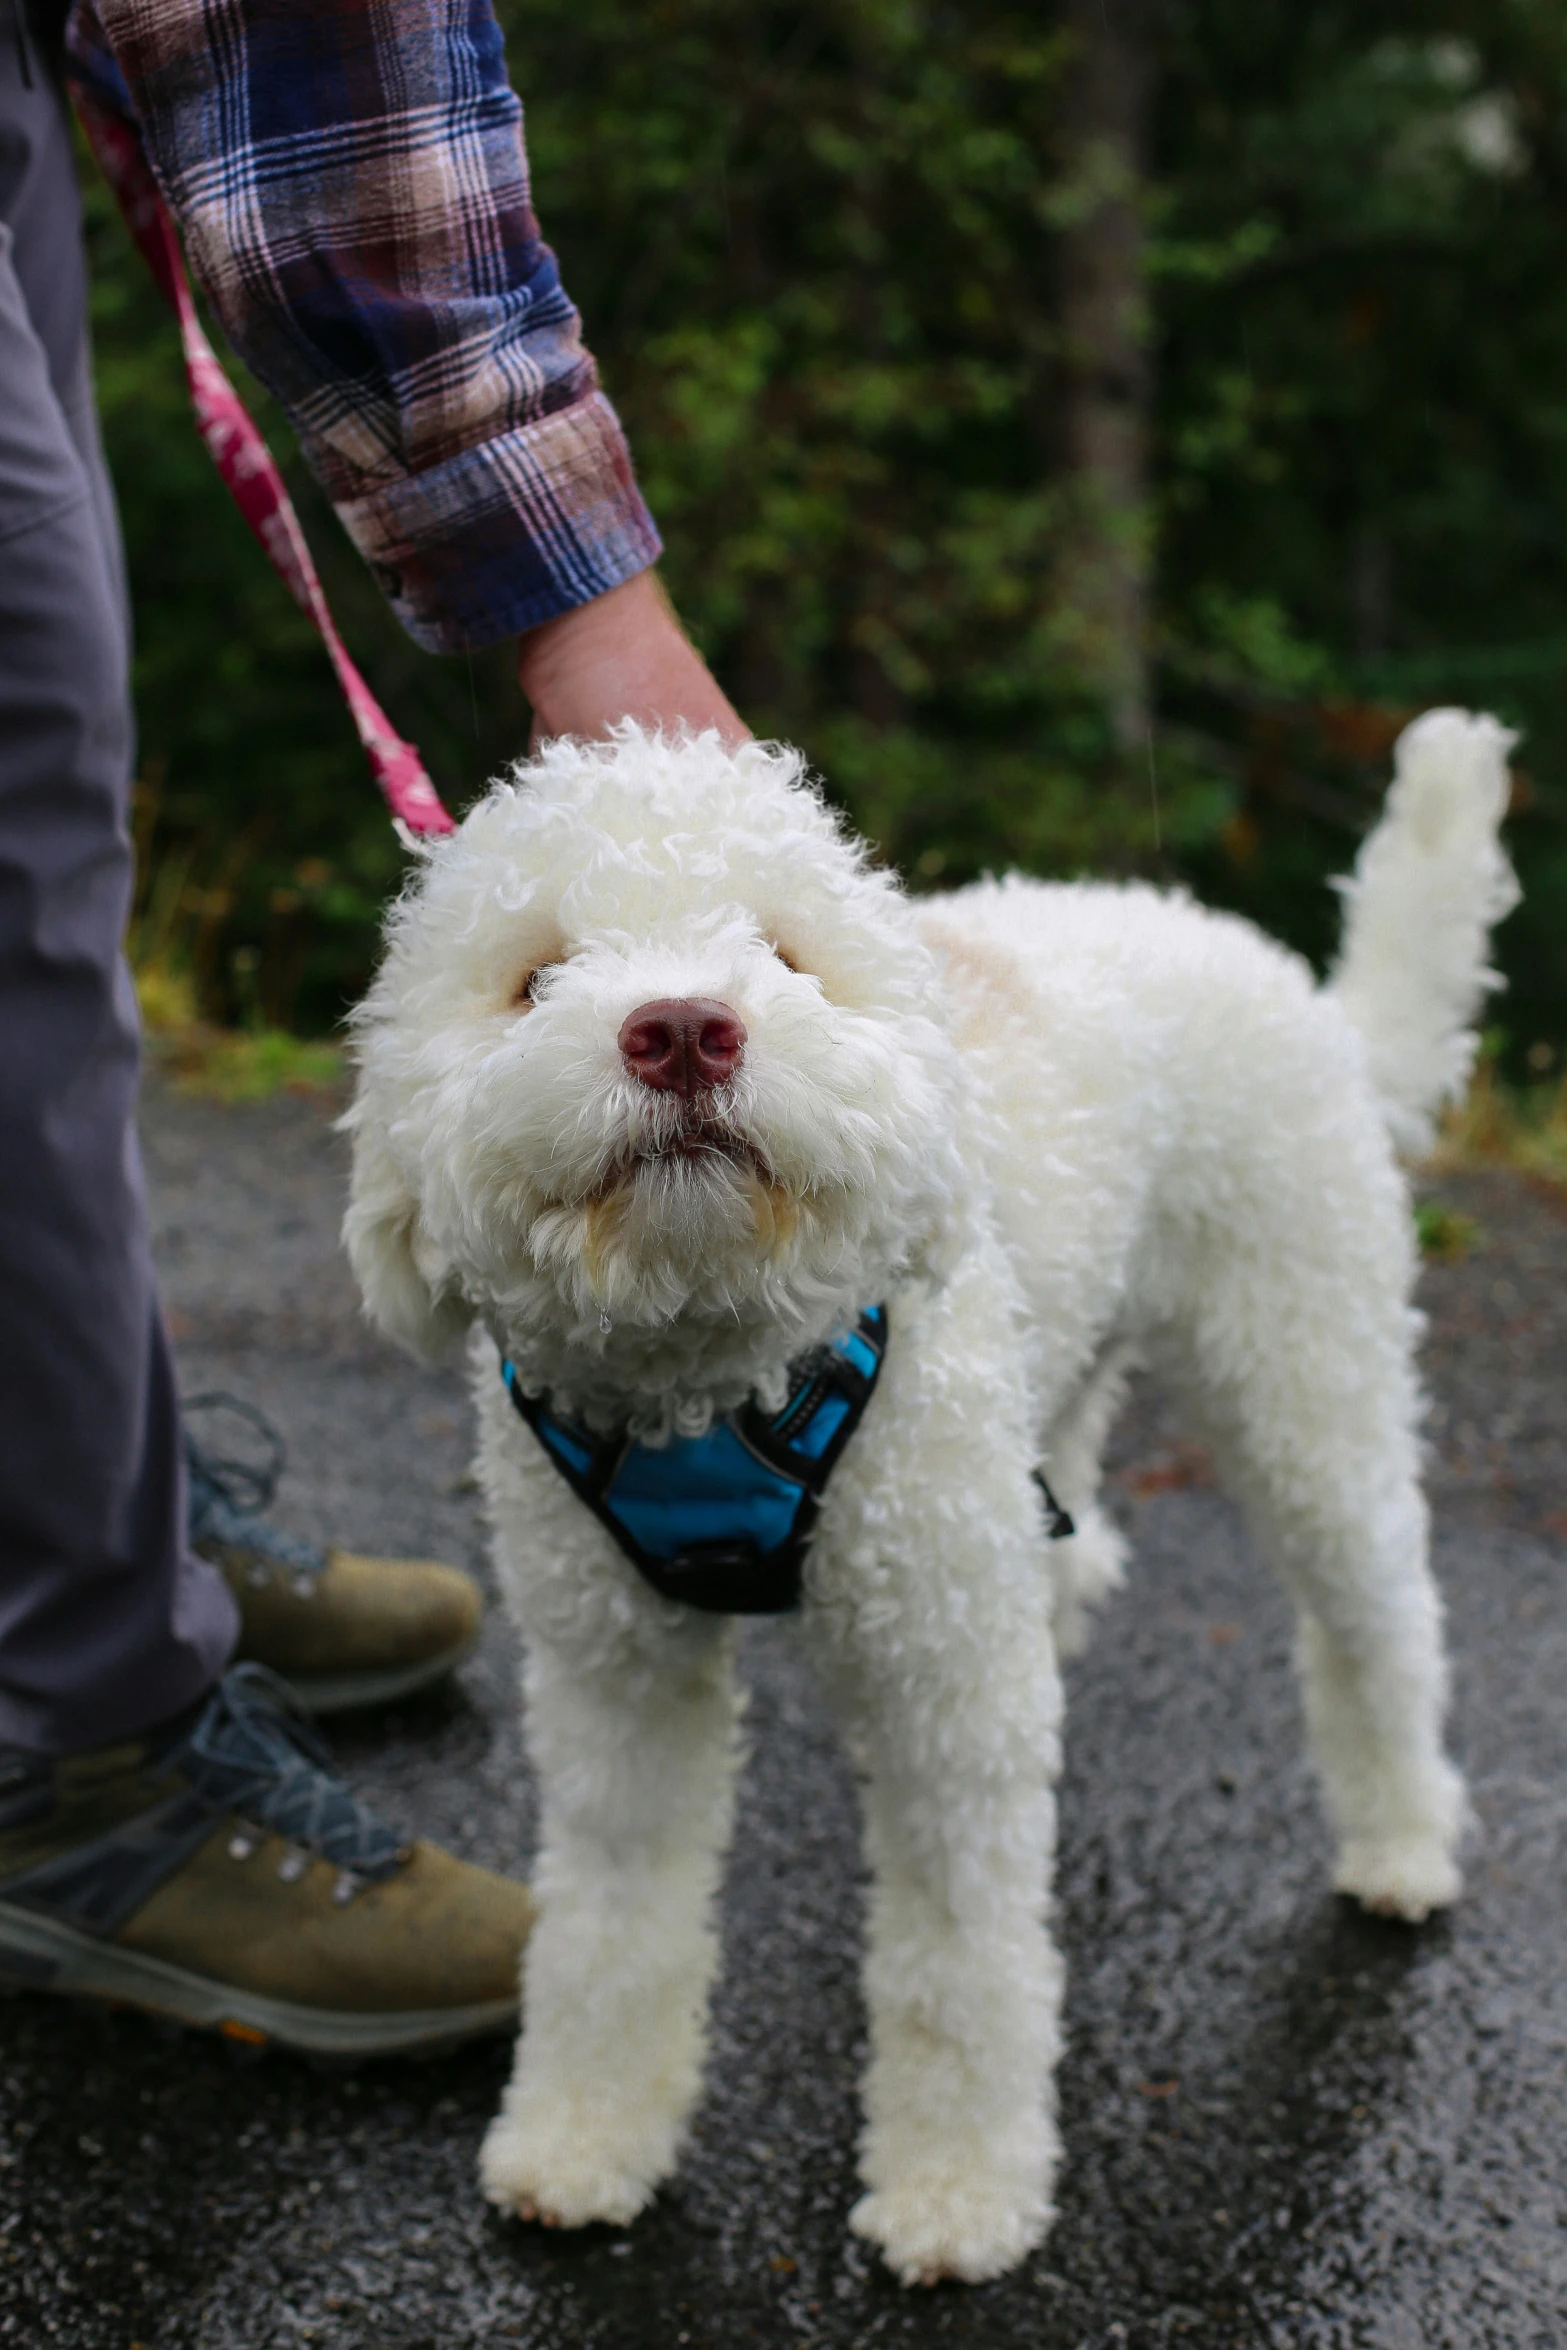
(107, 1623)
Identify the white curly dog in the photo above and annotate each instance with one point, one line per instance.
(660, 1083)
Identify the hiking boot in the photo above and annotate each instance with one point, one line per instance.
(343, 1630)
(227, 1878)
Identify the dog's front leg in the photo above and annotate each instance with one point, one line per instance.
(632, 1727)
(963, 1987)
(931, 1630)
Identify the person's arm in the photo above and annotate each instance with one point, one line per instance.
(353, 191)
(625, 655)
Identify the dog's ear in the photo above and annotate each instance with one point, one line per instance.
(401, 1275)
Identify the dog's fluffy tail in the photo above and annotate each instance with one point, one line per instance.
(1428, 885)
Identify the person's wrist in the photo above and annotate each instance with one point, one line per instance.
(624, 655)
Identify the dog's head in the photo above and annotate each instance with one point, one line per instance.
(653, 1078)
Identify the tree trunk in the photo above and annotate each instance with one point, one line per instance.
(1104, 577)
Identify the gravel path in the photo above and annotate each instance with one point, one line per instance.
(1285, 2124)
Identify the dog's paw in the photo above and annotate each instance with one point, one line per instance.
(961, 2224)
(560, 2177)
(1399, 1876)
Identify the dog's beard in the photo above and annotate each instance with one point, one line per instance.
(666, 1139)
(689, 1216)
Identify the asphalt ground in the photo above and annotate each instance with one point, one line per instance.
(1285, 2123)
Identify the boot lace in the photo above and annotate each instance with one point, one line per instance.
(228, 1493)
(253, 1751)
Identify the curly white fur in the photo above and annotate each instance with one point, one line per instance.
(1055, 1128)
(1428, 885)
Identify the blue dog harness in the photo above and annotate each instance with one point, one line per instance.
(722, 1521)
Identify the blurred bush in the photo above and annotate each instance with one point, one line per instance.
(816, 249)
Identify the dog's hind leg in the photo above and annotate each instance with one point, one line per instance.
(1304, 1379)
(632, 1725)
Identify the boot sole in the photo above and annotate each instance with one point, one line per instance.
(342, 1693)
(39, 1954)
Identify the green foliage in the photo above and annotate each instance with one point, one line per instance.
(814, 246)
(1363, 419)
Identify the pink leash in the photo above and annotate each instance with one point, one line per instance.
(245, 462)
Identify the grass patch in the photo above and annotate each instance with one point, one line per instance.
(227, 1064)
(1502, 1125)
(1445, 1234)
(249, 1065)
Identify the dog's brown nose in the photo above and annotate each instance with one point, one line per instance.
(682, 1045)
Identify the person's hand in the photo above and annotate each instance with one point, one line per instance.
(625, 655)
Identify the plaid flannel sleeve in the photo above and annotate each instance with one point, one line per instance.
(352, 185)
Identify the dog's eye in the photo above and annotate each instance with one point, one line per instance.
(525, 993)
(785, 957)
